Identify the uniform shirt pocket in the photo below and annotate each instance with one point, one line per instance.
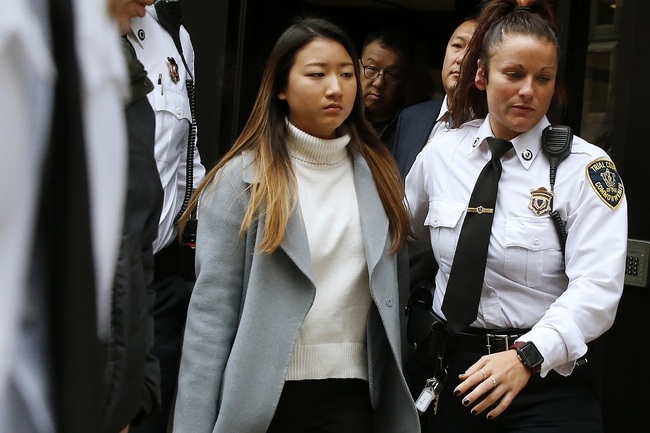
(443, 219)
(532, 250)
(175, 103)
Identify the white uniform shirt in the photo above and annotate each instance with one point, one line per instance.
(526, 282)
(171, 104)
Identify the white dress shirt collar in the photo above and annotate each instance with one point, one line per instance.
(444, 108)
(527, 145)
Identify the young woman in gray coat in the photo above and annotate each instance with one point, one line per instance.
(294, 323)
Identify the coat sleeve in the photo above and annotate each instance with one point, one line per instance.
(213, 312)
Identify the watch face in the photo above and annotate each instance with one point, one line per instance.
(530, 356)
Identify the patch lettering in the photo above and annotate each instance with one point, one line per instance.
(606, 182)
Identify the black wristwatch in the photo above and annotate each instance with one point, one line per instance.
(529, 355)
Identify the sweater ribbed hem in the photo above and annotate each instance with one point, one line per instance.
(329, 361)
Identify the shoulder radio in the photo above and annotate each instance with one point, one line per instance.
(556, 144)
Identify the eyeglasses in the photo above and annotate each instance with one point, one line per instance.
(373, 72)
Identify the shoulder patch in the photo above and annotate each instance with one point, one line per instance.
(606, 182)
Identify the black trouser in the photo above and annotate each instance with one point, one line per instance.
(170, 311)
(323, 406)
(554, 404)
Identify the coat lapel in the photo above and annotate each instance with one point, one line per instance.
(295, 243)
(374, 222)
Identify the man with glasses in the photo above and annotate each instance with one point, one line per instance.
(386, 60)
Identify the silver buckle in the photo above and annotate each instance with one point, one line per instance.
(501, 336)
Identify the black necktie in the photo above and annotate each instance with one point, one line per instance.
(468, 269)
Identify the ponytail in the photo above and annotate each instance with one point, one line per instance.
(497, 19)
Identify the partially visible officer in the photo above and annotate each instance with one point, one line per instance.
(418, 123)
(62, 117)
(169, 61)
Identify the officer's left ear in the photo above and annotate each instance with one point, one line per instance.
(282, 95)
(480, 80)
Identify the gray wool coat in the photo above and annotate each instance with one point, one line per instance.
(246, 311)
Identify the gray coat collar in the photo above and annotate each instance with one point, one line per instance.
(374, 225)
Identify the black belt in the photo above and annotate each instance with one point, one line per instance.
(486, 341)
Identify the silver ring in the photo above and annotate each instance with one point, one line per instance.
(484, 375)
(494, 382)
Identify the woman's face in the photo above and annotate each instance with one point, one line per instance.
(321, 88)
(520, 83)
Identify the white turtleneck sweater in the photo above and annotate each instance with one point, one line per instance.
(332, 340)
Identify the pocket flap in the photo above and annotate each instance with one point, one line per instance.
(444, 213)
(533, 234)
(173, 102)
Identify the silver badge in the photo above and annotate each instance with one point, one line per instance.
(540, 200)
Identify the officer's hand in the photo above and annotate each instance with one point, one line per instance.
(493, 378)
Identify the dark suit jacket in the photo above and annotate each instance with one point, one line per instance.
(413, 128)
(132, 377)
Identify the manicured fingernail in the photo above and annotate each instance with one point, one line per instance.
(457, 392)
(466, 402)
(474, 412)
(489, 417)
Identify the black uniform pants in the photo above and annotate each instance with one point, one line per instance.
(554, 404)
(170, 311)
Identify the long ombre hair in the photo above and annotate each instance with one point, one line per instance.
(274, 192)
(497, 19)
